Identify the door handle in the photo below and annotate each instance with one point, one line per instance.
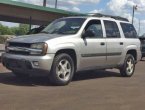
(102, 43)
(121, 43)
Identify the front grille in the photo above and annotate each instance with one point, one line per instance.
(15, 44)
(19, 45)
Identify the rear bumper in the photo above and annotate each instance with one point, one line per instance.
(27, 64)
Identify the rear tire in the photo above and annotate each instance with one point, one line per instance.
(127, 70)
(62, 70)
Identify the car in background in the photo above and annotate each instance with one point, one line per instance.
(142, 39)
(2, 48)
(3, 39)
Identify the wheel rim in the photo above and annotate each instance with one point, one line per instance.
(64, 70)
(130, 66)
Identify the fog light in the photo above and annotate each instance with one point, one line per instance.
(35, 63)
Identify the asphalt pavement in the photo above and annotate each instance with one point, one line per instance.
(98, 90)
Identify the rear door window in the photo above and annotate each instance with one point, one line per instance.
(112, 30)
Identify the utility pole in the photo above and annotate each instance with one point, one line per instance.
(56, 4)
(30, 23)
(139, 28)
(44, 3)
(134, 8)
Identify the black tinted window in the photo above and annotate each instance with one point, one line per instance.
(128, 30)
(112, 30)
(95, 27)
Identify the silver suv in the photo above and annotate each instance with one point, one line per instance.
(73, 44)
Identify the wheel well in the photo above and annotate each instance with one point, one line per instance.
(70, 52)
(134, 53)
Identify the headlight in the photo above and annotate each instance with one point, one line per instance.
(37, 46)
(39, 49)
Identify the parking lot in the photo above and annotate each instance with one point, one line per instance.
(99, 90)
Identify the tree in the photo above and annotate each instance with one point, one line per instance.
(21, 30)
(4, 30)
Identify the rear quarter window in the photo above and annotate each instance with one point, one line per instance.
(128, 30)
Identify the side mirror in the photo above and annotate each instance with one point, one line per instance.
(88, 33)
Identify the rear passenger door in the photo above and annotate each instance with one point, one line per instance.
(114, 42)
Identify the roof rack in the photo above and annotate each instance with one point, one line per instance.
(110, 16)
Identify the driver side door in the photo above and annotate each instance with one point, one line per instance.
(93, 48)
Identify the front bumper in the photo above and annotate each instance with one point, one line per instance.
(22, 63)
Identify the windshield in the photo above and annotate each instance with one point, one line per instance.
(65, 26)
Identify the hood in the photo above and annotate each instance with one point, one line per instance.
(35, 38)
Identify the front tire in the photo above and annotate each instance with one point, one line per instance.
(62, 70)
(127, 70)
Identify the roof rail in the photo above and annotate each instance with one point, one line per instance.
(110, 16)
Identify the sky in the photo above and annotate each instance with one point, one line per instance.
(112, 7)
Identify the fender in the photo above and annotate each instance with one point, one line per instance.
(127, 48)
(63, 46)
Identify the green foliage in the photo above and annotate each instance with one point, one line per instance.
(21, 30)
(6, 32)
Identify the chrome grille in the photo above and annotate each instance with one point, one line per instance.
(19, 48)
(15, 44)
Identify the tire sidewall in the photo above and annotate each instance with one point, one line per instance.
(53, 75)
(123, 70)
